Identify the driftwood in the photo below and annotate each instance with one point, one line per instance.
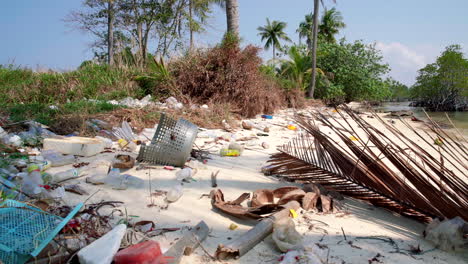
(188, 243)
(214, 184)
(237, 248)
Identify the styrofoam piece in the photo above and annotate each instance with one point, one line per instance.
(103, 250)
(79, 146)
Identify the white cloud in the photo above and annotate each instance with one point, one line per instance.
(404, 61)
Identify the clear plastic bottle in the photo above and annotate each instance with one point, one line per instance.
(57, 159)
(65, 175)
(174, 193)
(31, 182)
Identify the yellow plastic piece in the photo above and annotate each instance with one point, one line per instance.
(233, 226)
(292, 127)
(122, 142)
(293, 213)
(353, 138)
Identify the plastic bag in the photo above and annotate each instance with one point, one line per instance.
(285, 235)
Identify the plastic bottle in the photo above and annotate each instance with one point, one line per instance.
(31, 183)
(229, 152)
(65, 175)
(174, 193)
(184, 174)
(57, 159)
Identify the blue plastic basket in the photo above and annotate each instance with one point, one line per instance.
(25, 230)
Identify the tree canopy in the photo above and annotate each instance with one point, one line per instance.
(273, 33)
(443, 85)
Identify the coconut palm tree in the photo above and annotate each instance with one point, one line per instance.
(310, 92)
(305, 29)
(273, 33)
(297, 67)
(330, 24)
(232, 16)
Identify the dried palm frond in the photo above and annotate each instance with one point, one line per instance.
(382, 165)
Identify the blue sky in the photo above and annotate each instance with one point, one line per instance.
(409, 33)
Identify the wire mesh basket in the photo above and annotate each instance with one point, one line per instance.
(171, 144)
(26, 230)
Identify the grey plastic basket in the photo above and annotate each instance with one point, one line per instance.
(171, 144)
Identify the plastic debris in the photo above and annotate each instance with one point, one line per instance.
(174, 194)
(285, 235)
(447, 235)
(56, 158)
(145, 252)
(123, 162)
(293, 213)
(233, 226)
(119, 181)
(246, 124)
(236, 146)
(102, 251)
(66, 175)
(79, 146)
(172, 103)
(185, 174)
(31, 233)
(229, 152)
(311, 254)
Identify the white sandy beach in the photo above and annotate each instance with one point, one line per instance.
(242, 174)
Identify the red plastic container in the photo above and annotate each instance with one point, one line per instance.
(147, 252)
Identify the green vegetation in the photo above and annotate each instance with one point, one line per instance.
(47, 114)
(345, 71)
(92, 81)
(443, 85)
(398, 91)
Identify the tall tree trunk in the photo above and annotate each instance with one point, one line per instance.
(140, 41)
(274, 54)
(232, 15)
(310, 92)
(110, 32)
(145, 43)
(191, 24)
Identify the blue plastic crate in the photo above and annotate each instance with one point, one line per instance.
(26, 230)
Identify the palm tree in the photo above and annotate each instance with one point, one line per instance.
(297, 67)
(199, 9)
(305, 29)
(273, 32)
(232, 17)
(330, 25)
(310, 92)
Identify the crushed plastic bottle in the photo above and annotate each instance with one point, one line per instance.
(174, 194)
